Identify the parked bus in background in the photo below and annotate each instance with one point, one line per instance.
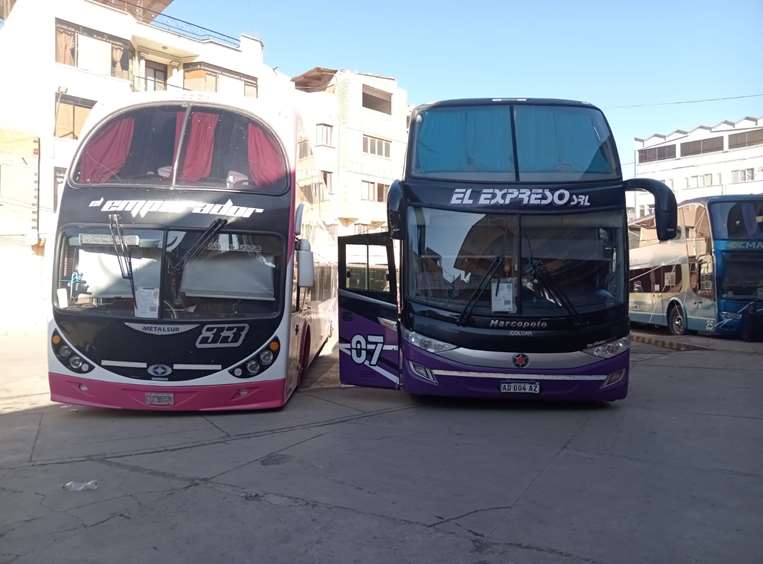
(186, 256)
(513, 258)
(710, 277)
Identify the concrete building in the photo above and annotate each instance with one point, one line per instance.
(726, 158)
(60, 57)
(358, 127)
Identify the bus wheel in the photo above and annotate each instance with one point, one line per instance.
(676, 320)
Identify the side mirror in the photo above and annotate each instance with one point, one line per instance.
(305, 265)
(395, 211)
(298, 220)
(665, 207)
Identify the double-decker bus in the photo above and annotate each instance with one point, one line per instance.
(190, 271)
(710, 277)
(512, 276)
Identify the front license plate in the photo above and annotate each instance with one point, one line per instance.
(520, 387)
(160, 398)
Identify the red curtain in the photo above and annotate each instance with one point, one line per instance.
(199, 147)
(107, 152)
(266, 165)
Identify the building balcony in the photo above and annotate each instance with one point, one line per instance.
(149, 12)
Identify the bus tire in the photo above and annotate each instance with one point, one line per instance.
(676, 320)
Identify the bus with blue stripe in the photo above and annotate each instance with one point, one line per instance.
(709, 279)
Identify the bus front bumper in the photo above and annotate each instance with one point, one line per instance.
(602, 380)
(267, 394)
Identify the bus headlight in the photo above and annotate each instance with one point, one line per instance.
(75, 362)
(258, 362)
(610, 349)
(266, 357)
(64, 351)
(426, 343)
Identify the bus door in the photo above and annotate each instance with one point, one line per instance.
(368, 327)
(702, 311)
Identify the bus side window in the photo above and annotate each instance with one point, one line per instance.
(367, 268)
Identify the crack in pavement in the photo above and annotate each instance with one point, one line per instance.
(207, 442)
(338, 404)
(216, 426)
(36, 436)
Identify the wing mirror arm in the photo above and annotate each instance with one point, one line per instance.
(665, 206)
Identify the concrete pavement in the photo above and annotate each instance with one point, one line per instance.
(672, 474)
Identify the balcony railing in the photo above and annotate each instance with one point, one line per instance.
(172, 25)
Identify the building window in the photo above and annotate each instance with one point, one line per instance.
(156, 76)
(59, 174)
(703, 180)
(746, 139)
(376, 146)
(66, 46)
(303, 149)
(324, 134)
(328, 181)
(200, 79)
(657, 154)
(377, 100)
(702, 146)
(742, 175)
(250, 89)
(374, 191)
(71, 114)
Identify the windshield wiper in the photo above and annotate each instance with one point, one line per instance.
(206, 236)
(122, 251)
(467, 311)
(541, 274)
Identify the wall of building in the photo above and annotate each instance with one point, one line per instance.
(341, 106)
(706, 174)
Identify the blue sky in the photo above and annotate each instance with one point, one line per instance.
(608, 53)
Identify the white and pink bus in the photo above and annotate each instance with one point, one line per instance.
(190, 270)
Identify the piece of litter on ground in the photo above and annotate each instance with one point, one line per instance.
(81, 486)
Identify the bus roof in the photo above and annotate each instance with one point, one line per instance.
(487, 101)
(724, 198)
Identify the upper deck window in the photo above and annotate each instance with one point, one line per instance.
(554, 143)
(219, 149)
(467, 142)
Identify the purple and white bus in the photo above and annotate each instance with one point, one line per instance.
(504, 270)
(190, 271)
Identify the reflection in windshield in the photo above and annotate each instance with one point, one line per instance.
(582, 254)
(742, 276)
(738, 220)
(554, 143)
(231, 275)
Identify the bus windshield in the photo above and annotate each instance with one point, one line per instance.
(232, 275)
(738, 220)
(742, 275)
(164, 146)
(554, 143)
(534, 263)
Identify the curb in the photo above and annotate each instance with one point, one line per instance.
(665, 343)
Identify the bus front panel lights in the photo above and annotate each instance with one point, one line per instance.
(614, 377)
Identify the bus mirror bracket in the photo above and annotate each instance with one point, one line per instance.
(298, 220)
(395, 211)
(305, 265)
(665, 207)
